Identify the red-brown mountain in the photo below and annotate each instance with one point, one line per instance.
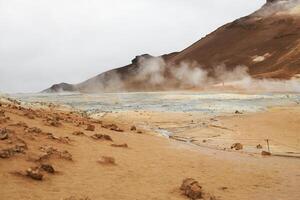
(267, 42)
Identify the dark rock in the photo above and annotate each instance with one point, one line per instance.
(98, 136)
(34, 173)
(133, 128)
(90, 127)
(48, 168)
(237, 146)
(3, 134)
(77, 133)
(259, 146)
(191, 189)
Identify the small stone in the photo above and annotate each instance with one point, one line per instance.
(77, 133)
(98, 136)
(259, 146)
(48, 168)
(265, 153)
(3, 134)
(191, 188)
(34, 174)
(133, 128)
(106, 160)
(90, 127)
(237, 146)
(120, 145)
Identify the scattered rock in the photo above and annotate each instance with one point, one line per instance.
(112, 127)
(2, 113)
(98, 136)
(9, 152)
(139, 132)
(237, 146)
(3, 134)
(238, 112)
(53, 122)
(50, 151)
(77, 133)
(191, 189)
(65, 140)
(48, 168)
(259, 146)
(133, 128)
(34, 173)
(120, 145)
(66, 155)
(90, 127)
(33, 130)
(266, 153)
(20, 124)
(106, 160)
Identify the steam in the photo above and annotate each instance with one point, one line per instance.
(156, 72)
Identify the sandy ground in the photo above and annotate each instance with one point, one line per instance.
(151, 167)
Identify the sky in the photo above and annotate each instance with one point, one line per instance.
(43, 42)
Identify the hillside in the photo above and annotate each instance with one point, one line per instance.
(267, 42)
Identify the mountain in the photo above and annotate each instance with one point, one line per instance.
(267, 42)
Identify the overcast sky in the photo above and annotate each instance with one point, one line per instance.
(43, 42)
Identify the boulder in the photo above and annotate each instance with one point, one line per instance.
(98, 136)
(48, 168)
(3, 134)
(191, 189)
(237, 146)
(90, 127)
(34, 173)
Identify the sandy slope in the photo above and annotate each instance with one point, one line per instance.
(151, 168)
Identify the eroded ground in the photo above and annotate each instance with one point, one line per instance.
(110, 159)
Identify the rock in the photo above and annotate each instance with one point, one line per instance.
(191, 188)
(98, 136)
(34, 173)
(90, 127)
(259, 146)
(77, 133)
(133, 128)
(112, 127)
(238, 112)
(53, 122)
(33, 130)
(266, 153)
(106, 160)
(2, 113)
(9, 152)
(120, 145)
(139, 132)
(66, 155)
(48, 168)
(237, 146)
(3, 134)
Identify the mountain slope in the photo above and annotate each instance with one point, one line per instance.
(267, 42)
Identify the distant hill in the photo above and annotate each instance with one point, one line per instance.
(267, 42)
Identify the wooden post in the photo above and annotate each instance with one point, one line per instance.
(267, 140)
